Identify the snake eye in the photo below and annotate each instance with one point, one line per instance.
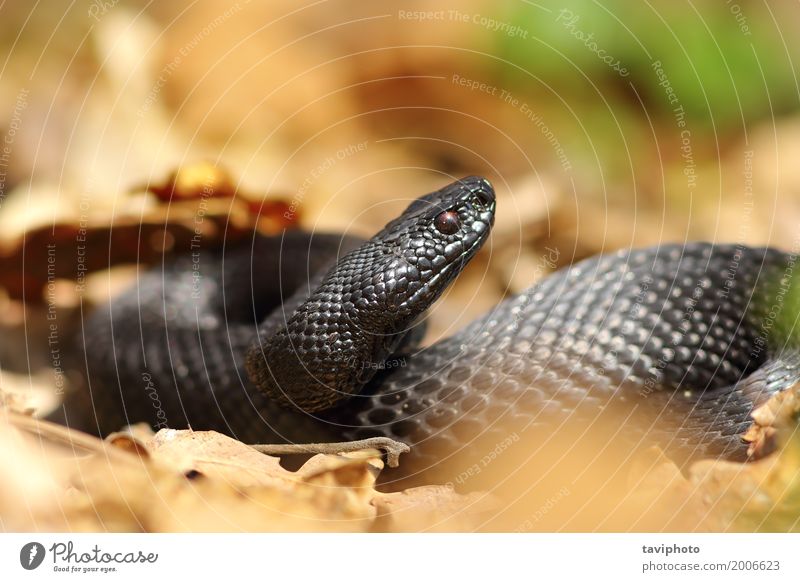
(447, 222)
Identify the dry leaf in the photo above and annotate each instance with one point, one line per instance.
(433, 508)
(217, 456)
(142, 228)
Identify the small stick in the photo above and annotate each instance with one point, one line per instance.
(392, 448)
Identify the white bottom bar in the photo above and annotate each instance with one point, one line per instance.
(397, 557)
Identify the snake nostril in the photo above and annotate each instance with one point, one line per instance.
(485, 196)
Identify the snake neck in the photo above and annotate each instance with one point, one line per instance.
(333, 343)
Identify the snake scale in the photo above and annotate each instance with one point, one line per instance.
(307, 337)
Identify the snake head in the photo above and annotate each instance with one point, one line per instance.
(363, 309)
(429, 244)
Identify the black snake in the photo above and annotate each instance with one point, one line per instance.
(305, 337)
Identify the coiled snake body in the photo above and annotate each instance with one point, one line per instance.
(305, 337)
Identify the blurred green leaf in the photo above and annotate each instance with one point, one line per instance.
(721, 72)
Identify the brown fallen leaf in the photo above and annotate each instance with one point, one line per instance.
(660, 496)
(62, 480)
(180, 480)
(718, 495)
(27, 395)
(143, 227)
(144, 496)
(217, 456)
(433, 508)
(763, 495)
(774, 420)
(129, 442)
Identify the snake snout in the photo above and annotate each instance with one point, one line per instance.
(481, 190)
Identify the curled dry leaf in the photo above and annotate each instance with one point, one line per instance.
(30, 485)
(27, 395)
(128, 442)
(433, 508)
(195, 181)
(144, 227)
(761, 495)
(774, 421)
(205, 481)
(319, 465)
(656, 488)
(219, 457)
(58, 479)
(145, 496)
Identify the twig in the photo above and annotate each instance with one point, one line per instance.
(66, 436)
(392, 448)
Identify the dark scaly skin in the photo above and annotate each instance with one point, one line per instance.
(674, 341)
(652, 337)
(361, 311)
(170, 351)
(180, 348)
